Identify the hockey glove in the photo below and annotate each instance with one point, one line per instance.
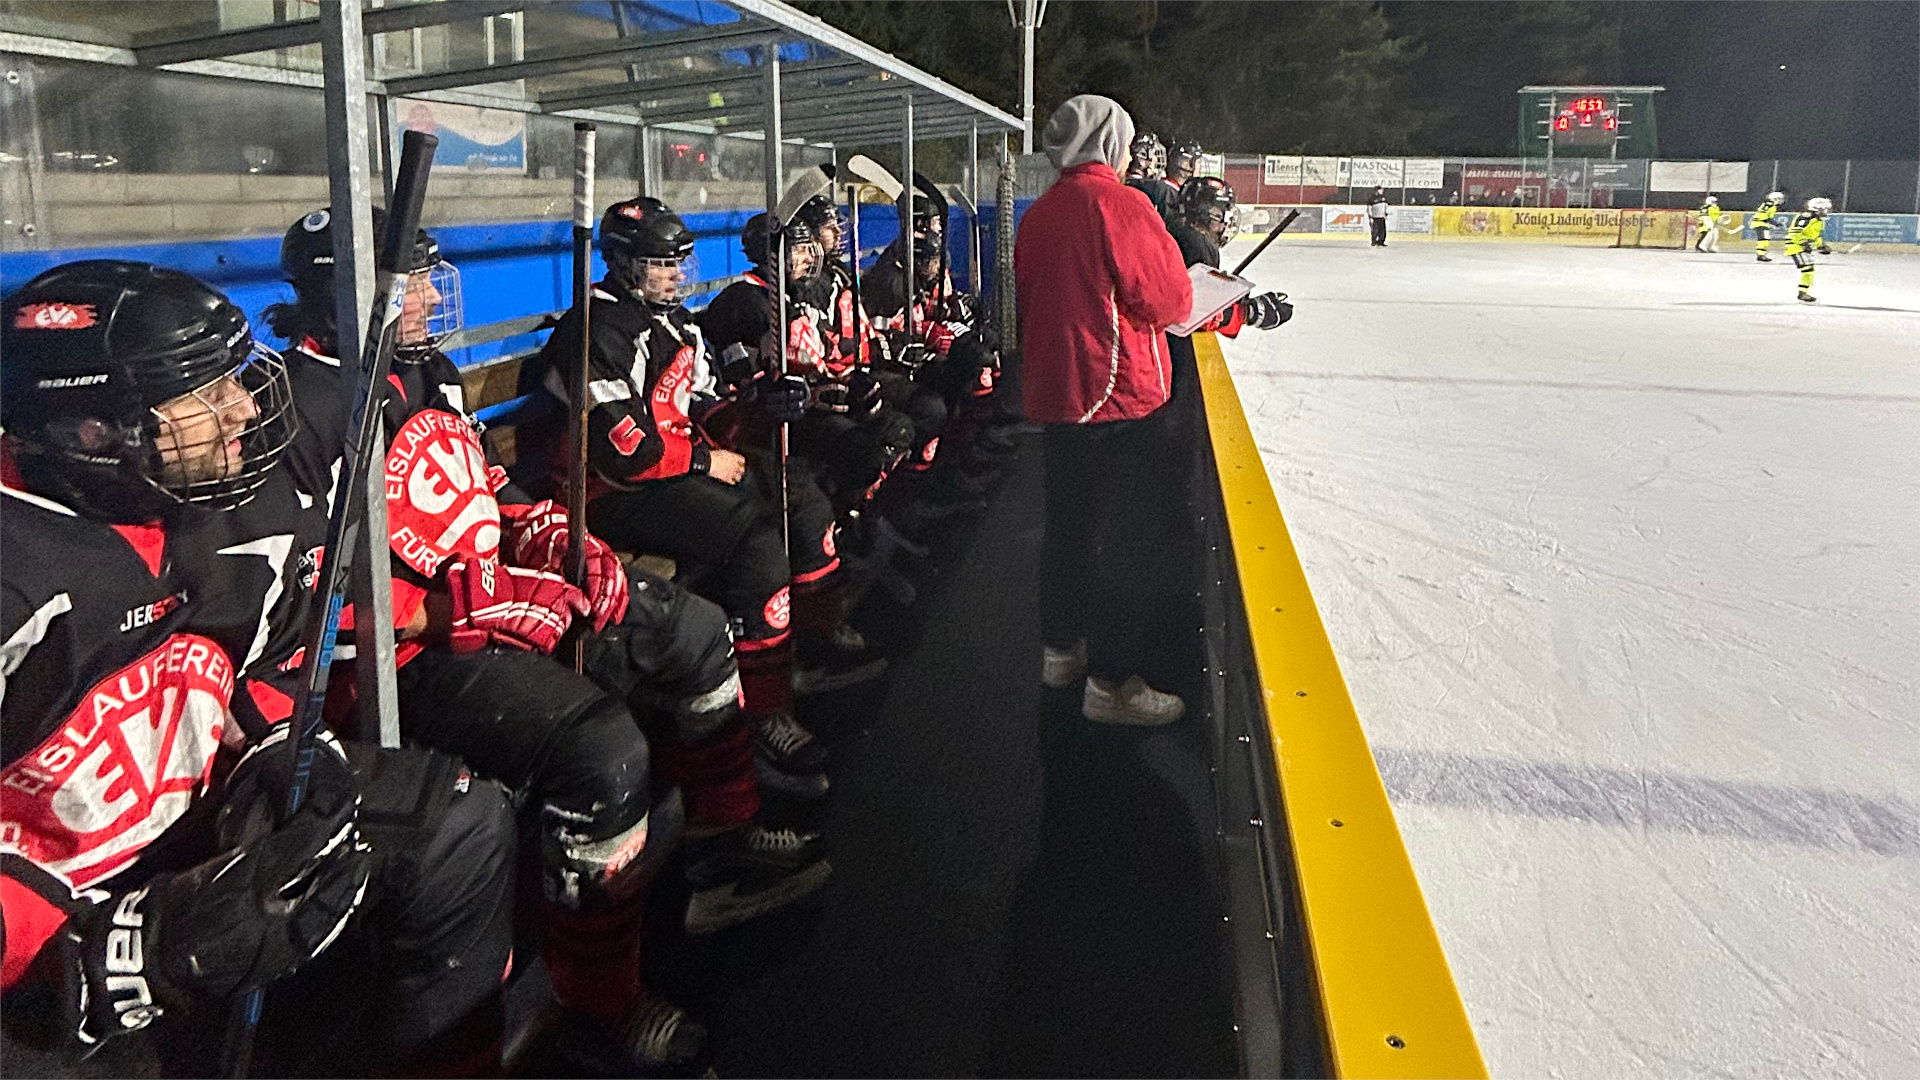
(538, 540)
(913, 355)
(780, 398)
(1266, 311)
(1825, 250)
(858, 397)
(274, 899)
(494, 604)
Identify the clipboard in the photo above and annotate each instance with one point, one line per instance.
(1213, 290)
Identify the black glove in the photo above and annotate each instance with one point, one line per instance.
(914, 355)
(738, 364)
(779, 398)
(858, 397)
(272, 900)
(1266, 311)
(1825, 250)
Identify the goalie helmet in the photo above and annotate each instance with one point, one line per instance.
(1207, 203)
(1820, 206)
(130, 390)
(1776, 197)
(642, 234)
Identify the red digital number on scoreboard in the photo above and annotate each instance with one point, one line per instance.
(1589, 105)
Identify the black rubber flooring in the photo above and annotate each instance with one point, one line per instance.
(1017, 892)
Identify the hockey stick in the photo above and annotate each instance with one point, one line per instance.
(1271, 237)
(376, 359)
(804, 186)
(875, 174)
(576, 565)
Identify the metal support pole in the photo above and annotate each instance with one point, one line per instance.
(1846, 185)
(776, 181)
(973, 222)
(651, 182)
(1775, 186)
(1026, 75)
(383, 110)
(349, 190)
(1553, 117)
(911, 267)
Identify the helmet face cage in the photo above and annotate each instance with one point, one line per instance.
(215, 445)
(1820, 206)
(820, 214)
(647, 278)
(450, 314)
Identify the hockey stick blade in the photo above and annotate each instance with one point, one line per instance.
(872, 172)
(1271, 237)
(960, 199)
(805, 185)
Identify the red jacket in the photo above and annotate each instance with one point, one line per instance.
(1099, 278)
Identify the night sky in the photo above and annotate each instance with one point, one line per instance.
(1783, 79)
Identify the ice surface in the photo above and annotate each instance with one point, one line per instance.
(1620, 553)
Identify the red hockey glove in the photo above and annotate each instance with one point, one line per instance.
(506, 605)
(538, 539)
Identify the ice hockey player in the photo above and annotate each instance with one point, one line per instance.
(479, 605)
(145, 879)
(1146, 170)
(1805, 236)
(1206, 218)
(1762, 222)
(1707, 226)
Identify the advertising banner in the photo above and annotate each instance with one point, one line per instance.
(1702, 176)
(1342, 219)
(1868, 229)
(1617, 175)
(1327, 171)
(471, 138)
(1409, 220)
(1375, 172)
(1425, 173)
(1211, 165)
(1281, 169)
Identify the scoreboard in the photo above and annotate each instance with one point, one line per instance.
(1586, 121)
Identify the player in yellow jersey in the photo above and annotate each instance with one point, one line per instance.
(1806, 236)
(1762, 222)
(1707, 229)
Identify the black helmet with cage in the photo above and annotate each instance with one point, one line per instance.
(1148, 156)
(642, 234)
(756, 243)
(822, 217)
(306, 258)
(130, 390)
(1207, 204)
(1182, 159)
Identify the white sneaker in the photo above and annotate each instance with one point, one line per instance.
(1132, 702)
(1060, 667)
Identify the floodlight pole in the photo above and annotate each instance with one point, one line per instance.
(1029, 17)
(911, 267)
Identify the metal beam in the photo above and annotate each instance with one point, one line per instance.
(635, 92)
(285, 35)
(808, 102)
(607, 54)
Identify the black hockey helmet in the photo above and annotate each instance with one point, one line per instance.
(129, 389)
(1207, 204)
(1183, 157)
(306, 258)
(820, 214)
(1149, 157)
(306, 252)
(755, 240)
(929, 226)
(645, 232)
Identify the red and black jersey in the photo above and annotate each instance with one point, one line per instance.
(111, 708)
(647, 370)
(743, 315)
(850, 332)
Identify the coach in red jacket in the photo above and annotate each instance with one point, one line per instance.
(1099, 279)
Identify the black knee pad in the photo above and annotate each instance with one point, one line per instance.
(594, 811)
(671, 656)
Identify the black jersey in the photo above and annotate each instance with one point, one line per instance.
(648, 369)
(1196, 247)
(1158, 191)
(111, 709)
(743, 315)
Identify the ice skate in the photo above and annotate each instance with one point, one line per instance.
(1807, 297)
(1763, 258)
(743, 874)
(1132, 703)
(788, 758)
(839, 659)
(655, 1038)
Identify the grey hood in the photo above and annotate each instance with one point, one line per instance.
(1088, 128)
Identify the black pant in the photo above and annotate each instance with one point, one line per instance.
(1104, 570)
(1379, 225)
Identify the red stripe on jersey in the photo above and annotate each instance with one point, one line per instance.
(31, 920)
(148, 541)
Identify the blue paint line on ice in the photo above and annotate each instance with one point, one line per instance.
(1642, 799)
(1556, 384)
